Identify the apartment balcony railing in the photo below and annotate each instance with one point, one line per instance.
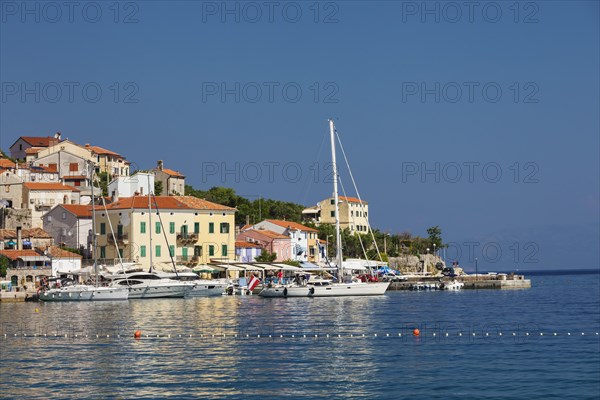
(187, 238)
(120, 239)
(188, 260)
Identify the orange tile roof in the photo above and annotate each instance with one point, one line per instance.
(39, 141)
(351, 200)
(48, 186)
(37, 233)
(247, 245)
(245, 227)
(268, 233)
(173, 173)
(33, 150)
(101, 150)
(16, 254)
(290, 224)
(6, 163)
(79, 210)
(201, 204)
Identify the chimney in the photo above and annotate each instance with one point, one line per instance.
(87, 145)
(160, 165)
(19, 238)
(114, 196)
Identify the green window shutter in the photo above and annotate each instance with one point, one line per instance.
(102, 251)
(196, 227)
(184, 253)
(157, 251)
(171, 227)
(102, 228)
(211, 250)
(121, 253)
(142, 227)
(224, 250)
(172, 250)
(119, 231)
(142, 251)
(211, 227)
(157, 225)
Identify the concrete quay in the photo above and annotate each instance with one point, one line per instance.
(497, 281)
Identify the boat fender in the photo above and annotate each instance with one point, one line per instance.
(285, 291)
(230, 290)
(311, 291)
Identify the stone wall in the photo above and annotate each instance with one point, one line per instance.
(10, 218)
(412, 264)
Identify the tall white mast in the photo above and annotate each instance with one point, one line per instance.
(150, 191)
(338, 236)
(91, 168)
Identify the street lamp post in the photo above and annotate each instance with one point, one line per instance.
(434, 249)
(476, 270)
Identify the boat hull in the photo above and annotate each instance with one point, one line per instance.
(206, 290)
(84, 294)
(157, 291)
(333, 290)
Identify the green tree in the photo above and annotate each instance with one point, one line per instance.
(158, 188)
(293, 263)
(102, 180)
(435, 237)
(4, 265)
(265, 256)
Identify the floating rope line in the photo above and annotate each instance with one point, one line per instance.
(242, 336)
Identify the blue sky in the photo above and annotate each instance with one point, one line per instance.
(504, 90)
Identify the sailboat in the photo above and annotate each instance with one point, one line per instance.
(346, 286)
(67, 290)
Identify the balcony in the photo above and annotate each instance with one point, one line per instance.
(187, 238)
(188, 260)
(42, 207)
(120, 239)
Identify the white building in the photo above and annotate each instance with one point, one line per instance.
(140, 183)
(41, 197)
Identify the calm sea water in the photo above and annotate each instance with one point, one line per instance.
(498, 366)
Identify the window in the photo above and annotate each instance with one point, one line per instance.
(171, 227)
(333, 214)
(197, 251)
(142, 227)
(224, 227)
(332, 202)
(73, 167)
(142, 251)
(172, 250)
(157, 251)
(211, 227)
(64, 215)
(157, 227)
(211, 250)
(52, 167)
(121, 253)
(120, 231)
(184, 231)
(196, 227)
(102, 228)
(224, 250)
(77, 183)
(184, 253)
(365, 214)
(102, 251)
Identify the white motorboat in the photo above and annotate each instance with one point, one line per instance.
(329, 289)
(454, 284)
(66, 290)
(149, 285)
(199, 287)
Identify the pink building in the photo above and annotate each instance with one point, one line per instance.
(270, 241)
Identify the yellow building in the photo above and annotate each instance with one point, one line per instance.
(192, 230)
(354, 214)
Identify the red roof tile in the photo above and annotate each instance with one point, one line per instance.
(37, 233)
(102, 151)
(173, 173)
(16, 254)
(48, 186)
(6, 163)
(201, 204)
(79, 210)
(247, 245)
(351, 200)
(39, 141)
(33, 150)
(290, 224)
(268, 233)
(57, 252)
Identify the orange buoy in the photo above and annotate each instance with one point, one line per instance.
(137, 334)
(416, 332)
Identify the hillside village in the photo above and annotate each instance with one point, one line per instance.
(47, 209)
